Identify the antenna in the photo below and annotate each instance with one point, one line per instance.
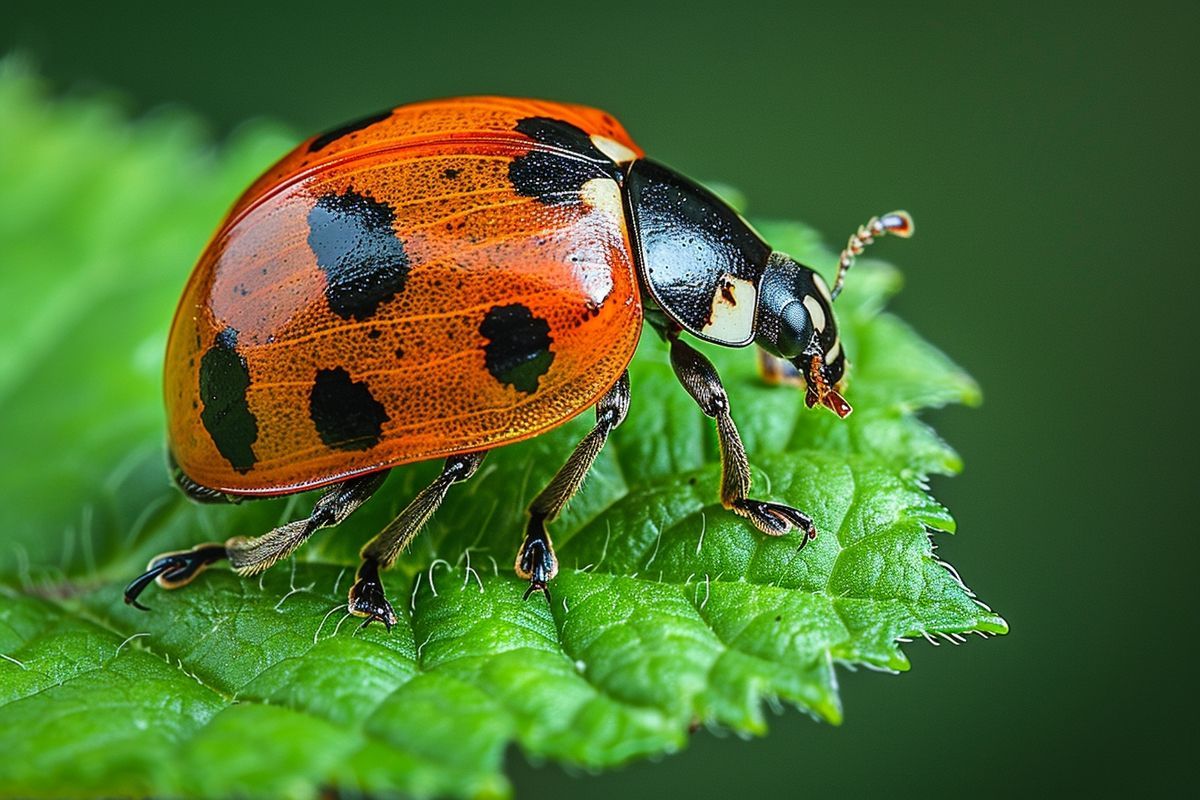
(897, 223)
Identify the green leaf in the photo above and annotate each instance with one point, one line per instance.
(669, 611)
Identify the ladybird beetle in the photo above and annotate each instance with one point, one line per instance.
(447, 277)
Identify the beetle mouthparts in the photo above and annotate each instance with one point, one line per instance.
(831, 400)
(818, 390)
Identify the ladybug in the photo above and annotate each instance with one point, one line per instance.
(447, 277)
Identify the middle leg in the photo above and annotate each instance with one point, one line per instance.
(367, 598)
(536, 561)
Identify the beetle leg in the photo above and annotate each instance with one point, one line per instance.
(779, 371)
(252, 556)
(367, 598)
(536, 561)
(172, 570)
(700, 378)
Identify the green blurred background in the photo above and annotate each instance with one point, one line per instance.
(1048, 155)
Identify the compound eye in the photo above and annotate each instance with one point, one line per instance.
(795, 329)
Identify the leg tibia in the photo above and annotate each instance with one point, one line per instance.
(536, 561)
(697, 374)
(367, 598)
(252, 556)
(386, 547)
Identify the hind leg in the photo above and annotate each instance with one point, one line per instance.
(536, 561)
(250, 556)
(367, 598)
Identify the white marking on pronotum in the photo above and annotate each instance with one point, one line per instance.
(815, 312)
(328, 614)
(128, 639)
(613, 149)
(731, 318)
(834, 351)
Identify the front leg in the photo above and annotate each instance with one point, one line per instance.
(700, 378)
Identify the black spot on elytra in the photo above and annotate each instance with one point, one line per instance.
(224, 379)
(329, 137)
(450, 174)
(518, 348)
(357, 248)
(560, 134)
(556, 178)
(347, 416)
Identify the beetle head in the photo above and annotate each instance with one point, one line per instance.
(795, 318)
(795, 321)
